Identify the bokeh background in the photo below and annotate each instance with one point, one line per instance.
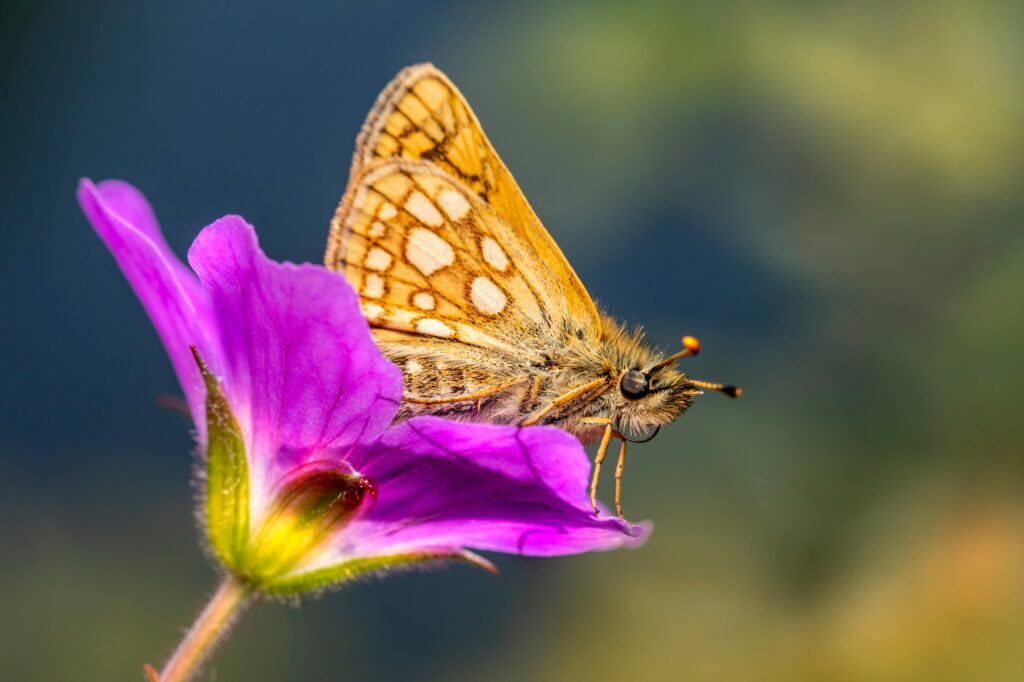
(829, 195)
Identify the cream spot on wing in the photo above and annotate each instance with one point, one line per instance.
(487, 297)
(494, 255)
(423, 210)
(376, 230)
(387, 211)
(378, 259)
(423, 300)
(432, 327)
(428, 252)
(372, 311)
(374, 286)
(411, 367)
(453, 203)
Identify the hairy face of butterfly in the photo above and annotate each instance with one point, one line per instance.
(642, 400)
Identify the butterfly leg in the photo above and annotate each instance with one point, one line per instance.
(531, 397)
(566, 398)
(618, 478)
(602, 449)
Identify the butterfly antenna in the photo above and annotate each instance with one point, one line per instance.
(728, 389)
(691, 346)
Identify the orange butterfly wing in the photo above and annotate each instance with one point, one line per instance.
(422, 117)
(429, 257)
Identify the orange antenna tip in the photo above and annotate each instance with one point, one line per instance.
(732, 391)
(691, 344)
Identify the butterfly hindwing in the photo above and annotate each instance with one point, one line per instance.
(422, 117)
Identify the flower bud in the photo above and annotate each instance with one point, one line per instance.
(313, 502)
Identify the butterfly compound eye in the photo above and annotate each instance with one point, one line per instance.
(634, 384)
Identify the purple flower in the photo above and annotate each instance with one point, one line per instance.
(308, 482)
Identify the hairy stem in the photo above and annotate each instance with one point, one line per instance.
(207, 631)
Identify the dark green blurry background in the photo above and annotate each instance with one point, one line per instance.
(828, 196)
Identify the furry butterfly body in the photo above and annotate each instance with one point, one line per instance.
(468, 294)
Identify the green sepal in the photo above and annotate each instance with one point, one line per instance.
(333, 576)
(227, 476)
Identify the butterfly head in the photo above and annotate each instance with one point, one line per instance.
(650, 391)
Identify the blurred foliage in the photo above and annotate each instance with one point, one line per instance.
(829, 196)
(859, 515)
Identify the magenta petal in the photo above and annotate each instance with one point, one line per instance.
(169, 292)
(444, 485)
(300, 368)
(131, 205)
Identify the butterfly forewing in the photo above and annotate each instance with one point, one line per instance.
(421, 117)
(429, 257)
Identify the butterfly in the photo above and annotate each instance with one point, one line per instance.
(470, 296)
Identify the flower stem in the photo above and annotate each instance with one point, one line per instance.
(207, 631)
